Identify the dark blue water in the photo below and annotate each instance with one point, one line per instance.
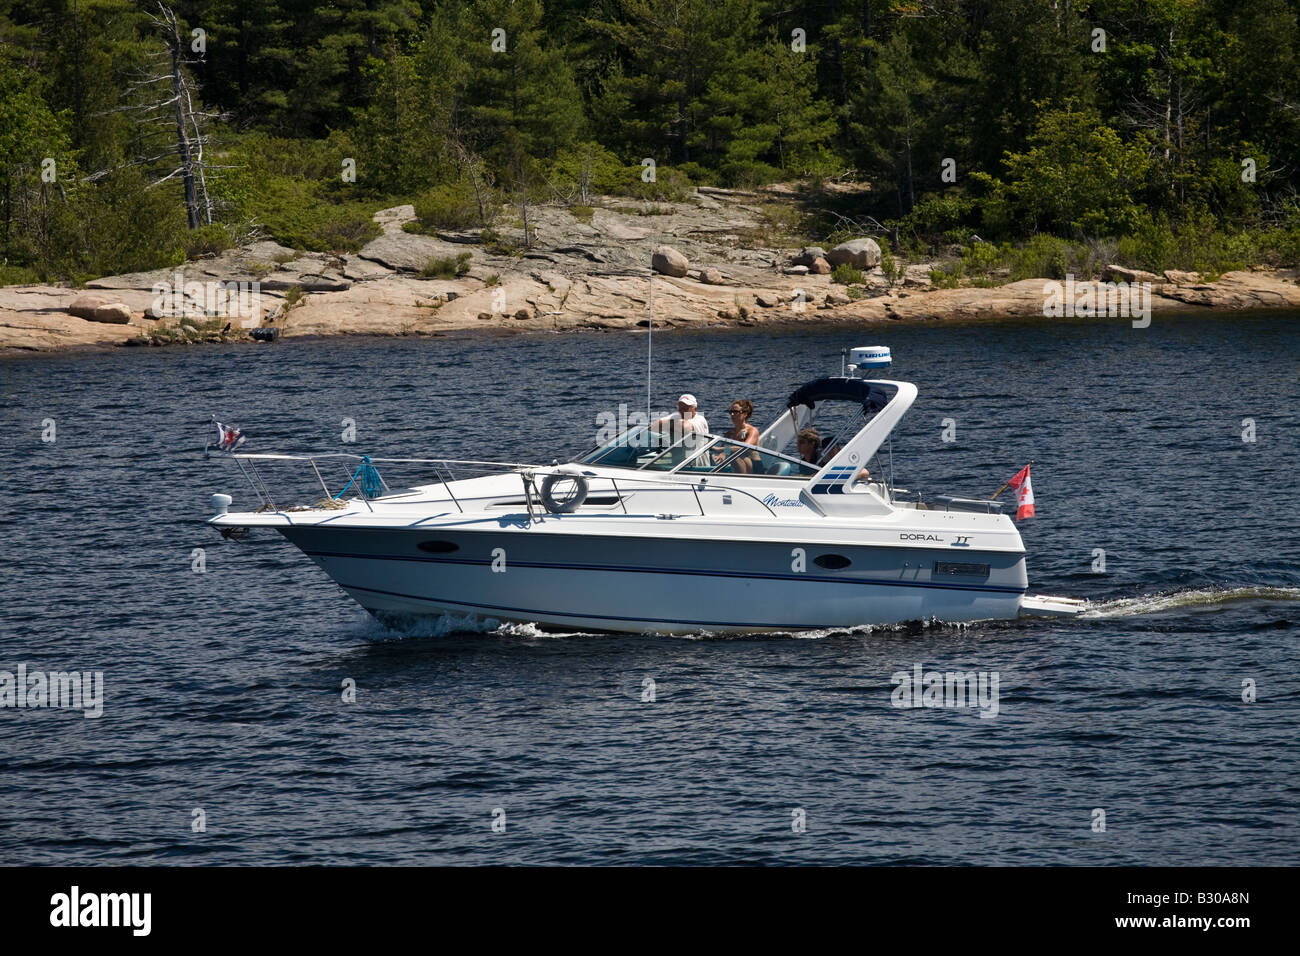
(222, 689)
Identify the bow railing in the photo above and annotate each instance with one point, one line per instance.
(362, 475)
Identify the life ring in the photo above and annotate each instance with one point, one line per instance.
(571, 503)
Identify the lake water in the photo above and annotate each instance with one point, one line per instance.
(222, 689)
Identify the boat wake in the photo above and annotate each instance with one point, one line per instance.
(1198, 598)
(396, 629)
(858, 630)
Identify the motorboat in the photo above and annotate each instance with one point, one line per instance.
(662, 529)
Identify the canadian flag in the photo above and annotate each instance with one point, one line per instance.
(1024, 490)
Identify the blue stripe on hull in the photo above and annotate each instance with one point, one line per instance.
(760, 575)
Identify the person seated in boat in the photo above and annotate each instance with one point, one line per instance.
(742, 431)
(686, 419)
(810, 450)
(809, 444)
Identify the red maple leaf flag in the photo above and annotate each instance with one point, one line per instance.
(1024, 490)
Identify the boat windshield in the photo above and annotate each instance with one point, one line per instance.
(646, 449)
(727, 457)
(632, 449)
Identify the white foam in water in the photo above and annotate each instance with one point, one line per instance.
(1197, 598)
(857, 630)
(372, 629)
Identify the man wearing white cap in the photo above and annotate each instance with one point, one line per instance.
(688, 414)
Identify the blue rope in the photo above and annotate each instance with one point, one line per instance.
(367, 478)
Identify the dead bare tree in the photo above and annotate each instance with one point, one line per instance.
(480, 178)
(189, 151)
(164, 99)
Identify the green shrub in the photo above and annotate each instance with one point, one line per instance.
(845, 274)
(208, 240)
(18, 275)
(670, 185)
(447, 268)
(947, 278)
(1197, 244)
(893, 269)
(982, 258)
(582, 213)
(342, 229)
(293, 190)
(118, 224)
(947, 217)
(585, 171)
(449, 206)
(1043, 257)
(1278, 247)
(749, 174)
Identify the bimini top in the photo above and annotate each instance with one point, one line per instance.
(872, 397)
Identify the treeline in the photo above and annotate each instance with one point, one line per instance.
(1171, 125)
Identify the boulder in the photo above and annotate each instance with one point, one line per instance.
(797, 271)
(768, 300)
(711, 276)
(523, 314)
(97, 308)
(391, 220)
(361, 270)
(114, 314)
(836, 298)
(859, 253)
(621, 232)
(407, 251)
(669, 261)
(1178, 277)
(820, 267)
(808, 255)
(1122, 274)
(308, 282)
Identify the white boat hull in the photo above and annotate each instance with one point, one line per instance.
(640, 585)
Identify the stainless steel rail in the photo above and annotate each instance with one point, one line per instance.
(442, 471)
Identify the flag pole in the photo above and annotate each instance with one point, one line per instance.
(995, 494)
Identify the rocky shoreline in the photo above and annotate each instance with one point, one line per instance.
(714, 268)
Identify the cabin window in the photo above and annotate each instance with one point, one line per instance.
(832, 562)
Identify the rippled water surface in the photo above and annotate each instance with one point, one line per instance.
(222, 689)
